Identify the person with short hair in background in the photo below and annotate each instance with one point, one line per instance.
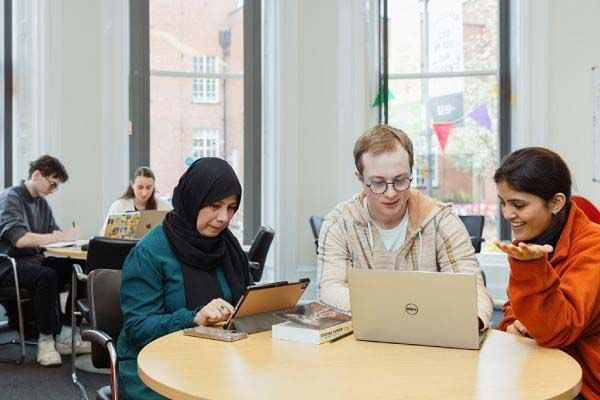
(554, 284)
(26, 225)
(139, 195)
(389, 226)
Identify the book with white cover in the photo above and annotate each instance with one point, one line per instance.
(312, 323)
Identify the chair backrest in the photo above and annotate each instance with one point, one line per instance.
(588, 208)
(315, 225)
(474, 225)
(259, 250)
(107, 253)
(104, 286)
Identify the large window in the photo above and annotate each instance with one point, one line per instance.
(440, 84)
(188, 71)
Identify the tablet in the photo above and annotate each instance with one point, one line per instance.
(269, 297)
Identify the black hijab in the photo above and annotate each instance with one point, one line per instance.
(205, 182)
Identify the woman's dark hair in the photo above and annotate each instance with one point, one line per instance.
(146, 172)
(49, 166)
(535, 170)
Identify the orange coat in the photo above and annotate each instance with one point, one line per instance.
(558, 301)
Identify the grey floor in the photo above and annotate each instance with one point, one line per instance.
(30, 381)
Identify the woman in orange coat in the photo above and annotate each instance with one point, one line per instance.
(554, 286)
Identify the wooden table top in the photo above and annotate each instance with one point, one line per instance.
(507, 367)
(69, 252)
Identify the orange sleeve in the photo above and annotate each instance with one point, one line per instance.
(509, 317)
(555, 310)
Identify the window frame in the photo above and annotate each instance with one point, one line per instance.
(502, 73)
(7, 84)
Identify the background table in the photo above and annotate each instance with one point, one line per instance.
(507, 367)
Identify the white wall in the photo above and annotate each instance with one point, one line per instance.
(80, 141)
(320, 78)
(555, 50)
(73, 101)
(573, 49)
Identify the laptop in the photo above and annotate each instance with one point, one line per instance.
(133, 225)
(424, 308)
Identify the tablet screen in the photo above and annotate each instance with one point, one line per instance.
(268, 297)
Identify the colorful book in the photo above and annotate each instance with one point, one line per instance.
(312, 323)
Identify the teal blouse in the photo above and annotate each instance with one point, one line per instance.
(153, 305)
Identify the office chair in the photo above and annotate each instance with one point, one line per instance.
(105, 253)
(106, 321)
(474, 225)
(589, 209)
(257, 255)
(315, 225)
(14, 295)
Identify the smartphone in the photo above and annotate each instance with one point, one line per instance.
(208, 332)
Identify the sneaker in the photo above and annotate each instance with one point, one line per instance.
(63, 342)
(47, 355)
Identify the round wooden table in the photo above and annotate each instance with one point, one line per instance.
(507, 367)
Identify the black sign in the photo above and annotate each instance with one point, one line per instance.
(447, 108)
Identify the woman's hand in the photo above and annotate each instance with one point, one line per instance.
(517, 328)
(214, 312)
(524, 252)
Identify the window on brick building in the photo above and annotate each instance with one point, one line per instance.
(205, 89)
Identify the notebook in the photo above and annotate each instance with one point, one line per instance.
(425, 308)
(133, 225)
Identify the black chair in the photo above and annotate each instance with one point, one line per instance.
(106, 321)
(105, 253)
(257, 255)
(474, 225)
(10, 295)
(315, 225)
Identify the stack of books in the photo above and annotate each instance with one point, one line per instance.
(312, 323)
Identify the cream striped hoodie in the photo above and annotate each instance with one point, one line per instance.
(436, 240)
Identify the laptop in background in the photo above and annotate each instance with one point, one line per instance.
(425, 308)
(133, 225)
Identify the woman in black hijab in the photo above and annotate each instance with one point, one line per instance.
(188, 271)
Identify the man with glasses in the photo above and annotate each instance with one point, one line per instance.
(389, 226)
(26, 225)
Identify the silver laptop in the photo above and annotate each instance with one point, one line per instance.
(426, 308)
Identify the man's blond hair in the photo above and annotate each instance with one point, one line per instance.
(380, 139)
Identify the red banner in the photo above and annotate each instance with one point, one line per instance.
(442, 132)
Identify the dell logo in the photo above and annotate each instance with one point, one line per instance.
(411, 309)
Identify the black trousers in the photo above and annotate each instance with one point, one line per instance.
(46, 278)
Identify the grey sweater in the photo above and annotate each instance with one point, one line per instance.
(21, 213)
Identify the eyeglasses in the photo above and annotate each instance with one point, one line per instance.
(53, 185)
(380, 187)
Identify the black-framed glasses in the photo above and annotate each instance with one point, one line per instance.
(53, 185)
(380, 187)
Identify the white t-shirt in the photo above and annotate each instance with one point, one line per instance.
(393, 238)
